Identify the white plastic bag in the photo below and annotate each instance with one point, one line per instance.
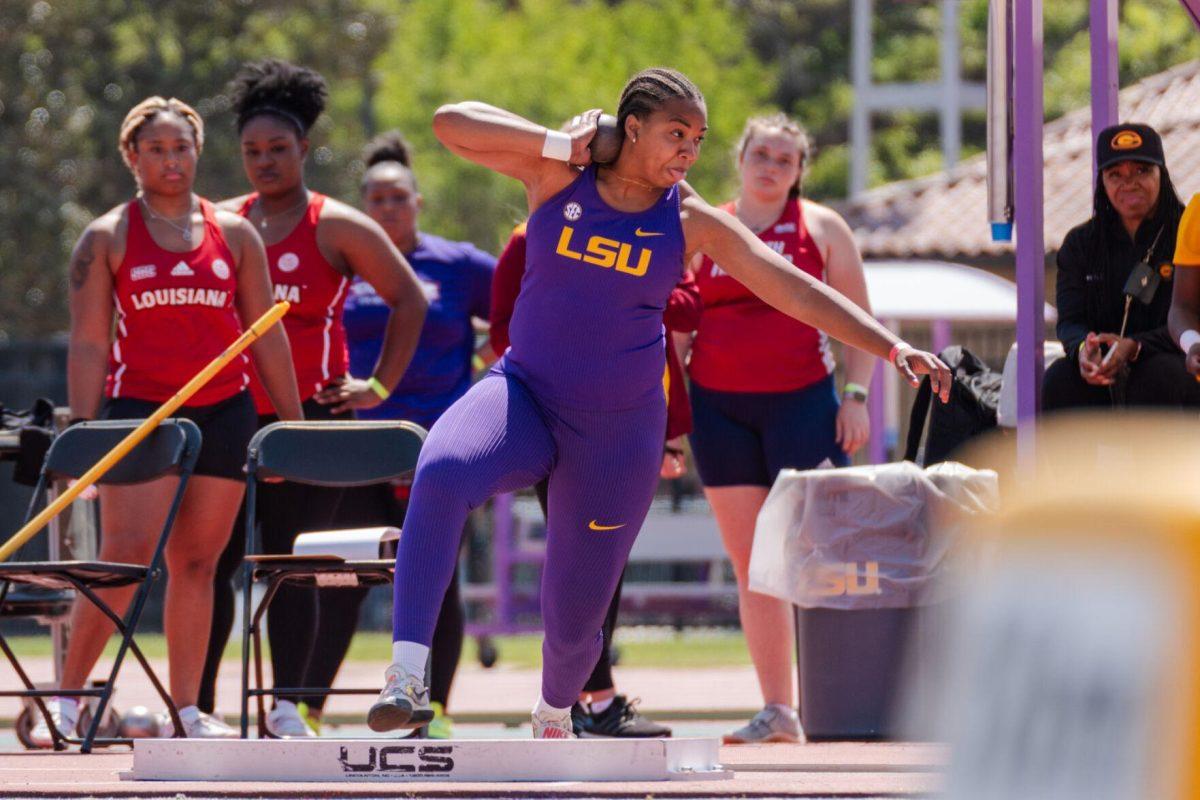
(865, 537)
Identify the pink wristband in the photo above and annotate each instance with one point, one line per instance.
(896, 348)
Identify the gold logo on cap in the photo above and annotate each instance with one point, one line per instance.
(1127, 140)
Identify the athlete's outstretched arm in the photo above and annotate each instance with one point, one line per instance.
(272, 355)
(368, 253)
(743, 255)
(512, 145)
(92, 311)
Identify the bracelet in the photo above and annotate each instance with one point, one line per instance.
(557, 146)
(895, 351)
(378, 388)
(1187, 339)
(855, 391)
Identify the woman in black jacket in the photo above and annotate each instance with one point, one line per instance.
(1133, 227)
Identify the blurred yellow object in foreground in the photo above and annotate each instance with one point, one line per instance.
(1074, 667)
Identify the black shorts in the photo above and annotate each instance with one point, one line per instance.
(226, 428)
(746, 438)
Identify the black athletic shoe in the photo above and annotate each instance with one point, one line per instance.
(620, 720)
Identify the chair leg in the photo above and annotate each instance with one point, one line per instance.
(247, 594)
(256, 627)
(59, 744)
(126, 628)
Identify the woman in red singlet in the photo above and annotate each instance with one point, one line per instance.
(763, 396)
(315, 247)
(180, 279)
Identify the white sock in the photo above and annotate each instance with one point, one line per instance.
(547, 711)
(189, 713)
(64, 701)
(598, 706)
(410, 657)
(780, 707)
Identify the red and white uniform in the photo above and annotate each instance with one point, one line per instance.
(175, 314)
(745, 345)
(317, 292)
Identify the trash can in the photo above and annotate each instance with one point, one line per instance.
(862, 553)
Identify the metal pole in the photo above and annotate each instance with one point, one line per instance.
(860, 75)
(1193, 9)
(1105, 78)
(951, 57)
(941, 335)
(877, 449)
(1031, 253)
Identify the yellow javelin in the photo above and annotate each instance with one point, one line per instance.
(118, 452)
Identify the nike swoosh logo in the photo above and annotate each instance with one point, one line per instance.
(596, 526)
(640, 232)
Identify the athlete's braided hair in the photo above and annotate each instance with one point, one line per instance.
(649, 89)
(296, 95)
(784, 124)
(147, 110)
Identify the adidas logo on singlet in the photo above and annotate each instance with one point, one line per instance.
(182, 270)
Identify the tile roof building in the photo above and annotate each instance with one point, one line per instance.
(944, 216)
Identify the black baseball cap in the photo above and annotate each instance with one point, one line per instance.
(1131, 142)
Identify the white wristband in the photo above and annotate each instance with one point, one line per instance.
(557, 146)
(1187, 339)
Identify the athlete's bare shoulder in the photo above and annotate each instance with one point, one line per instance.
(107, 231)
(235, 227)
(827, 226)
(340, 220)
(102, 242)
(233, 204)
(115, 220)
(700, 220)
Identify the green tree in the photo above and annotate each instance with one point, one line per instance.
(71, 69)
(548, 60)
(809, 43)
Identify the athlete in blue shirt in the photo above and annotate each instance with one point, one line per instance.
(456, 278)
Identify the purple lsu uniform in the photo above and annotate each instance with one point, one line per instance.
(579, 396)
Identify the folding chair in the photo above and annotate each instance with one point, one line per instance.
(171, 448)
(334, 454)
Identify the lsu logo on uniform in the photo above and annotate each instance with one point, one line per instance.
(605, 252)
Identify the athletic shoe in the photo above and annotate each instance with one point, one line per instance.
(775, 723)
(285, 722)
(403, 703)
(197, 725)
(441, 726)
(621, 720)
(313, 721)
(64, 711)
(547, 726)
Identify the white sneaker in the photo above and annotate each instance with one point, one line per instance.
(285, 722)
(64, 711)
(403, 703)
(198, 725)
(552, 726)
(775, 723)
